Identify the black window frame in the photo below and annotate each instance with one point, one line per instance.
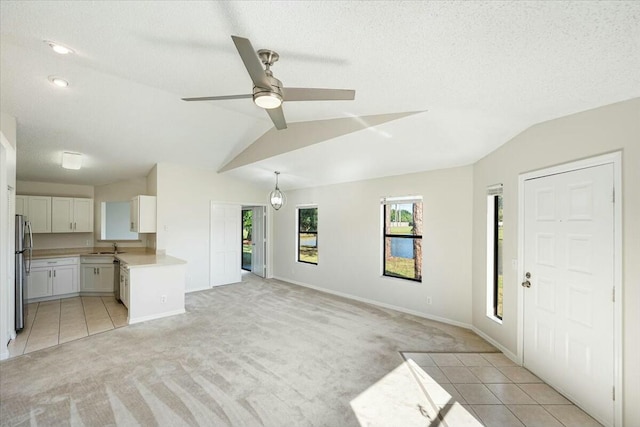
(386, 235)
(496, 255)
(299, 231)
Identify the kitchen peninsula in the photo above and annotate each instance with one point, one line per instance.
(152, 286)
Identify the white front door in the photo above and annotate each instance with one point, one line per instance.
(258, 234)
(226, 244)
(568, 305)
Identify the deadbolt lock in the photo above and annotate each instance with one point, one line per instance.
(527, 283)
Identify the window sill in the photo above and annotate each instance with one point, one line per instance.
(494, 318)
(384, 276)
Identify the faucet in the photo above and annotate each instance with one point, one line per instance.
(115, 247)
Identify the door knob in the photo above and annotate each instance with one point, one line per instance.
(527, 283)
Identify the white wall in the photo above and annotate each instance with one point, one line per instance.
(7, 229)
(350, 241)
(602, 130)
(184, 200)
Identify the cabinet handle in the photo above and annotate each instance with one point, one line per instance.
(75, 225)
(54, 273)
(94, 270)
(70, 226)
(132, 226)
(98, 270)
(49, 273)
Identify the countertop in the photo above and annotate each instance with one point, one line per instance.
(134, 260)
(133, 257)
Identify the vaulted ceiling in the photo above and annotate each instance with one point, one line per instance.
(447, 82)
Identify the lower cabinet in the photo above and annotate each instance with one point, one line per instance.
(97, 278)
(52, 277)
(124, 285)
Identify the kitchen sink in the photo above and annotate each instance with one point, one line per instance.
(107, 253)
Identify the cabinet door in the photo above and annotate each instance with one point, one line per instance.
(147, 214)
(40, 213)
(64, 280)
(83, 215)
(22, 206)
(39, 283)
(134, 213)
(88, 279)
(61, 215)
(105, 278)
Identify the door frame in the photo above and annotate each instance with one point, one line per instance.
(267, 233)
(614, 158)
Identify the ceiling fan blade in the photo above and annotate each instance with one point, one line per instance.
(277, 117)
(310, 94)
(217, 98)
(251, 62)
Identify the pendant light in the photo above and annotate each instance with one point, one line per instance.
(276, 197)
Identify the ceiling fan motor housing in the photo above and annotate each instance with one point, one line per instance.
(261, 95)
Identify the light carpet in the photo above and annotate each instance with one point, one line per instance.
(256, 353)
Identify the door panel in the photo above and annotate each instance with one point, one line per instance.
(61, 215)
(64, 280)
(38, 283)
(568, 310)
(226, 243)
(259, 238)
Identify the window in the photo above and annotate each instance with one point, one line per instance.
(402, 237)
(308, 235)
(494, 252)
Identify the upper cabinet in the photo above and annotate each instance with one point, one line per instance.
(56, 214)
(37, 209)
(143, 214)
(71, 215)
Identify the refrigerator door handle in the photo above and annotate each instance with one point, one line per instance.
(30, 247)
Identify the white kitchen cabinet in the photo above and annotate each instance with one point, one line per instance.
(124, 285)
(37, 209)
(39, 283)
(96, 274)
(71, 215)
(143, 214)
(52, 277)
(22, 205)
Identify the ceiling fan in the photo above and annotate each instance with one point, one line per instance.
(268, 92)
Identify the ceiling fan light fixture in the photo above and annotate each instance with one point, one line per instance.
(277, 198)
(267, 100)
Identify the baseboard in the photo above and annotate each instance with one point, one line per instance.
(497, 345)
(156, 316)
(197, 289)
(378, 303)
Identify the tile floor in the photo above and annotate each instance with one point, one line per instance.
(58, 321)
(494, 391)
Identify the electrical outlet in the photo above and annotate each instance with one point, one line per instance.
(428, 300)
(163, 299)
(86, 243)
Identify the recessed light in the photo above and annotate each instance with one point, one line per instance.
(57, 81)
(58, 48)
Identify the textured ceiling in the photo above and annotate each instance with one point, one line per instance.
(479, 72)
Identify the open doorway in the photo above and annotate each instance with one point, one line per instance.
(247, 238)
(254, 240)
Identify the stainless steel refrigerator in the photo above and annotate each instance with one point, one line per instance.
(24, 247)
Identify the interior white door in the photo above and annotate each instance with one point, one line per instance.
(259, 241)
(226, 244)
(568, 298)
